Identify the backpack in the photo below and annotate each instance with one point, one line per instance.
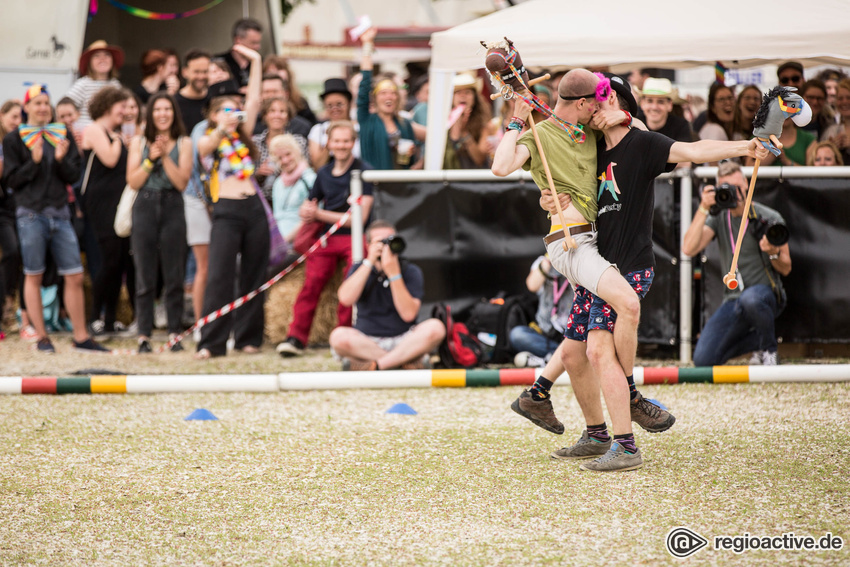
(497, 317)
(460, 348)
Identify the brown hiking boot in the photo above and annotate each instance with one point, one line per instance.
(651, 417)
(421, 363)
(539, 412)
(359, 365)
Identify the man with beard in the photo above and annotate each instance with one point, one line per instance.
(193, 98)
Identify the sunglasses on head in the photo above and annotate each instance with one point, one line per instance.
(786, 80)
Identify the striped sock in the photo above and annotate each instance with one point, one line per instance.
(627, 441)
(540, 389)
(599, 432)
(632, 389)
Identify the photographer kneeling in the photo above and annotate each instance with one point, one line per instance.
(745, 321)
(388, 292)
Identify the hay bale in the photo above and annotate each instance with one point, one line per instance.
(281, 298)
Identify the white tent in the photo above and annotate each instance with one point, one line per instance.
(624, 34)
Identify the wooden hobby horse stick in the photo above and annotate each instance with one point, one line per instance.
(568, 242)
(777, 105)
(729, 279)
(568, 238)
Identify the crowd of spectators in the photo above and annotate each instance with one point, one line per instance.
(205, 139)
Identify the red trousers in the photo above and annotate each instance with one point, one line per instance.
(319, 268)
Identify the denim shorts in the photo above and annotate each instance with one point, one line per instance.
(591, 313)
(38, 232)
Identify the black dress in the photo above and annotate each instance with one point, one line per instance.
(100, 203)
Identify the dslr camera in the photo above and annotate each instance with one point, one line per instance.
(776, 231)
(725, 197)
(395, 243)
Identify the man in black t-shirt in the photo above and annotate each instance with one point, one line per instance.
(657, 103)
(247, 32)
(388, 292)
(193, 99)
(627, 167)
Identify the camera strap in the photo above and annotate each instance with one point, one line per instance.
(766, 265)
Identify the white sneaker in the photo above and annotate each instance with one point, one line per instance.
(757, 358)
(770, 358)
(525, 359)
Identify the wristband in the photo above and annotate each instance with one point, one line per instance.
(366, 262)
(628, 121)
(542, 271)
(368, 48)
(774, 256)
(391, 279)
(516, 124)
(147, 165)
(703, 210)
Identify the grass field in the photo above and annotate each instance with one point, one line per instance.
(327, 478)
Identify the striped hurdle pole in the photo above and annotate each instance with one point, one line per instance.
(396, 379)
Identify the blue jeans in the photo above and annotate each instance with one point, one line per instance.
(36, 232)
(739, 326)
(524, 338)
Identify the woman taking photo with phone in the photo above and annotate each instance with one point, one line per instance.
(239, 223)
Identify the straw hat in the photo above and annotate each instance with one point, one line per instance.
(100, 45)
(467, 80)
(661, 87)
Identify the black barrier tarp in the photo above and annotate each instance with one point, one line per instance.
(817, 212)
(475, 240)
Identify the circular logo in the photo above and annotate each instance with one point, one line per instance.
(683, 542)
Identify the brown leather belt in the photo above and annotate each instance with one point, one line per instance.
(577, 229)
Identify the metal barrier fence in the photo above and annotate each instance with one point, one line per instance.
(685, 175)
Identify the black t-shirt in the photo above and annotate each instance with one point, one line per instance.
(334, 191)
(676, 128)
(191, 109)
(376, 312)
(626, 198)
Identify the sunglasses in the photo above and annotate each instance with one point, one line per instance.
(793, 79)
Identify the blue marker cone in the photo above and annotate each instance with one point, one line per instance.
(402, 409)
(201, 414)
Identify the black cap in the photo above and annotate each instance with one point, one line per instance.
(790, 65)
(622, 87)
(230, 87)
(336, 86)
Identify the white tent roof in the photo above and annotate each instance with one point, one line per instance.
(625, 34)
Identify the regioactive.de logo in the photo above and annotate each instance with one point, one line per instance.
(683, 542)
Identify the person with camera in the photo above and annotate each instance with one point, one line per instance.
(388, 292)
(745, 321)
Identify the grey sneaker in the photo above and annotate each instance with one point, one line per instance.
(616, 459)
(651, 417)
(756, 358)
(585, 448)
(538, 412)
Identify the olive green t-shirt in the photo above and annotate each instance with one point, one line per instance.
(573, 165)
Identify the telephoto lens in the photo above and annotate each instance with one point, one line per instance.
(395, 243)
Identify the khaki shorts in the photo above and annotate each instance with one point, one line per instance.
(581, 266)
